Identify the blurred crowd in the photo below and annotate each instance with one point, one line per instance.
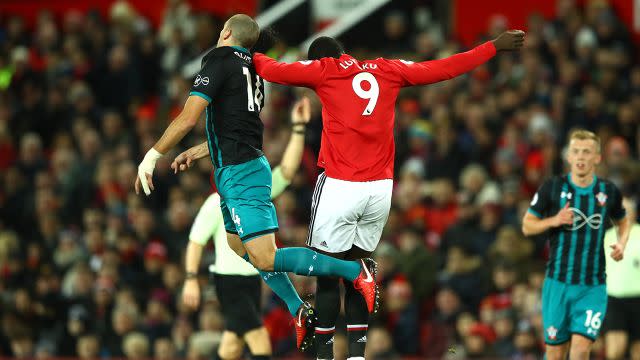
(87, 268)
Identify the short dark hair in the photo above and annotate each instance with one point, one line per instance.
(244, 30)
(325, 47)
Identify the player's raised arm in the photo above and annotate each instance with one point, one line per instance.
(284, 173)
(307, 73)
(428, 72)
(205, 87)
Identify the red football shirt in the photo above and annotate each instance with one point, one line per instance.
(358, 103)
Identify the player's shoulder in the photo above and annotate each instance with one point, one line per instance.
(554, 180)
(227, 54)
(608, 184)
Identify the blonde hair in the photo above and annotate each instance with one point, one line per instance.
(582, 134)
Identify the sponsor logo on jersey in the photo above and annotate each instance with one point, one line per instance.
(204, 80)
(581, 219)
(602, 198)
(552, 332)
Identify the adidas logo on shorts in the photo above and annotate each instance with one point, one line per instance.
(324, 243)
(330, 341)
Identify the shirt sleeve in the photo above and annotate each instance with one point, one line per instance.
(207, 221)
(540, 204)
(308, 73)
(278, 182)
(428, 72)
(209, 80)
(617, 210)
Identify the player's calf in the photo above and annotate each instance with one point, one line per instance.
(580, 347)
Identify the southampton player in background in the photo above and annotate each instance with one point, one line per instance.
(230, 93)
(237, 283)
(573, 210)
(353, 195)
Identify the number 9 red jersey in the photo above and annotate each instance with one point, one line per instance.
(358, 103)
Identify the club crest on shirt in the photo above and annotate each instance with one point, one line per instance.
(552, 332)
(602, 198)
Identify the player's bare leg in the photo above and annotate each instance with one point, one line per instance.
(231, 346)
(580, 347)
(236, 244)
(258, 342)
(281, 285)
(262, 251)
(616, 344)
(557, 352)
(634, 350)
(264, 255)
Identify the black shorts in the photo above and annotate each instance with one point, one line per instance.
(623, 314)
(239, 298)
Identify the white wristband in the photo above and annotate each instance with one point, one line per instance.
(146, 167)
(152, 156)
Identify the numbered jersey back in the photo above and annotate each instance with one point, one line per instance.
(358, 99)
(235, 93)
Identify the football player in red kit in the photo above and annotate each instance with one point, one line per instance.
(352, 198)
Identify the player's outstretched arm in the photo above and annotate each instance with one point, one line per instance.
(283, 174)
(178, 128)
(300, 116)
(624, 228)
(429, 72)
(307, 73)
(534, 225)
(184, 161)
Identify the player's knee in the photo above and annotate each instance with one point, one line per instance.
(258, 341)
(230, 350)
(634, 350)
(580, 351)
(614, 353)
(236, 244)
(615, 346)
(262, 262)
